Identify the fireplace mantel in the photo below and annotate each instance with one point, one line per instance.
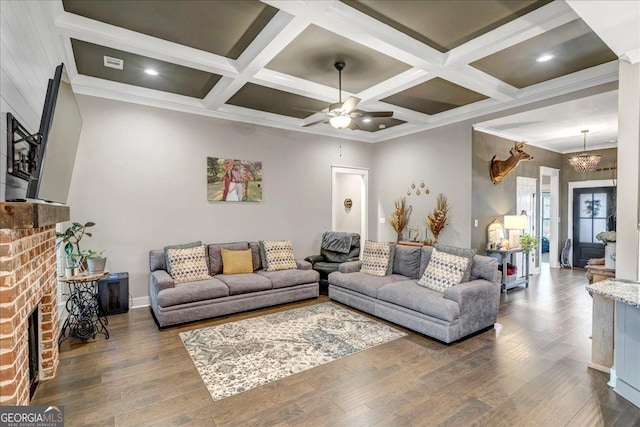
(15, 215)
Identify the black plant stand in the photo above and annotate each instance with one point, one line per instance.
(85, 319)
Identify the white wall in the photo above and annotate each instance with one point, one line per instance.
(140, 175)
(348, 186)
(442, 158)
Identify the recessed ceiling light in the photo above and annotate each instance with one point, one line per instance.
(382, 126)
(367, 120)
(151, 71)
(544, 58)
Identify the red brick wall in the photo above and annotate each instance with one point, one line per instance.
(27, 280)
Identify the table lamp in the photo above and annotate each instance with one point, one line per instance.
(515, 223)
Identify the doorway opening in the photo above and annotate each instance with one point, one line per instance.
(526, 196)
(349, 199)
(549, 234)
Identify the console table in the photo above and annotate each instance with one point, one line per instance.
(85, 319)
(508, 254)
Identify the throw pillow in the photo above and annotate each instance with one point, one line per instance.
(279, 255)
(376, 258)
(183, 246)
(236, 262)
(188, 264)
(444, 271)
(465, 253)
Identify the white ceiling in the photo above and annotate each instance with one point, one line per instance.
(558, 127)
(426, 64)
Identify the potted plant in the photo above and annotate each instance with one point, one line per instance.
(528, 243)
(70, 239)
(608, 238)
(95, 261)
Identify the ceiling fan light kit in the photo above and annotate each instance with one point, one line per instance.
(585, 162)
(342, 114)
(340, 122)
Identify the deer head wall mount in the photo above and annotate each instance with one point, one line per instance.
(501, 168)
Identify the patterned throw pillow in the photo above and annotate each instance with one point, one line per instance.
(279, 255)
(376, 258)
(183, 246)
(188, 264)
(444, 271)
(462, 252)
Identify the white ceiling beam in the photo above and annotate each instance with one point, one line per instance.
(99, 33)
(395, 84)
(478, 81)
(521, 29)
(618, 27)
(358, 27)
(276, 35)
(288, 83)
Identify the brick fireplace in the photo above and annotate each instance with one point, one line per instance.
(27, 281)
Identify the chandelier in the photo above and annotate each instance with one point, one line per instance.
(584, 162)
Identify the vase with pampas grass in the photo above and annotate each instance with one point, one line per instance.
(400, 217)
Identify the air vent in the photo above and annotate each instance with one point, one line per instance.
(113, 62)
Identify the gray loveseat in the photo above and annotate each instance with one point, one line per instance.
(461, 310)
(225, 294)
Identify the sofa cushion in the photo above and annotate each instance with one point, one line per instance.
(362, 282)
(287, 278)
(215, 254)
(255, 256)
(279, 255)
(444, 270)
(157, 260)
(182, 246)
(188, 264)
(192, 291)
(409, 294)
(407, 261)
(244, 283)
(377, 258)
(461, 252)
(236, 262)
(425, 257)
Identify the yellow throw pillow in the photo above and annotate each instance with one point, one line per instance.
(236, 262)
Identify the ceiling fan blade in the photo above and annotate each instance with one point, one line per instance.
(359, 113)
(315, 122)
(350, 104)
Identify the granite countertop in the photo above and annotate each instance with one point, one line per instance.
(625, 291)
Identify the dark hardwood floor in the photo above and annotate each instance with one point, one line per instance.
(530, 370)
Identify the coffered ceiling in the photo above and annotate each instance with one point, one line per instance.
(272, 62)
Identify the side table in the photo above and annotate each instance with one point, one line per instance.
(85, 319)
(507, 254)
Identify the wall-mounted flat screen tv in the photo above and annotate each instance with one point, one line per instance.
(60, 129)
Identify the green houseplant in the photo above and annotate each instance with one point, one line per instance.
(95, 261)
(528, 243)
(70, 240)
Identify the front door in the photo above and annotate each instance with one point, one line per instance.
(591, 208)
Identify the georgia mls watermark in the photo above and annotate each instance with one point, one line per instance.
(31, 416)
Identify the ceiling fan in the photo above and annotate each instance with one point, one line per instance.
(342, 114)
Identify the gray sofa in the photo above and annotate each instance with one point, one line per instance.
(461, 310)
(225, 294)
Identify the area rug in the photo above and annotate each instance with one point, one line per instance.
(239, 356)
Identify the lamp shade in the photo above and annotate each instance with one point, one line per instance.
(515, 222)
(340, 122)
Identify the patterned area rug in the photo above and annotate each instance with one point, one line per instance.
(239, 356)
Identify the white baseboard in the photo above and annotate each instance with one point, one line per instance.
(140, 302)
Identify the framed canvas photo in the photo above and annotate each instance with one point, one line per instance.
(232, 180)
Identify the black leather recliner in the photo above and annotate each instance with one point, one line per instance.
(336, 248)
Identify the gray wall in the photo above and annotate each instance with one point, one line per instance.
(491, 201)
(140, 175)
(440, 157)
